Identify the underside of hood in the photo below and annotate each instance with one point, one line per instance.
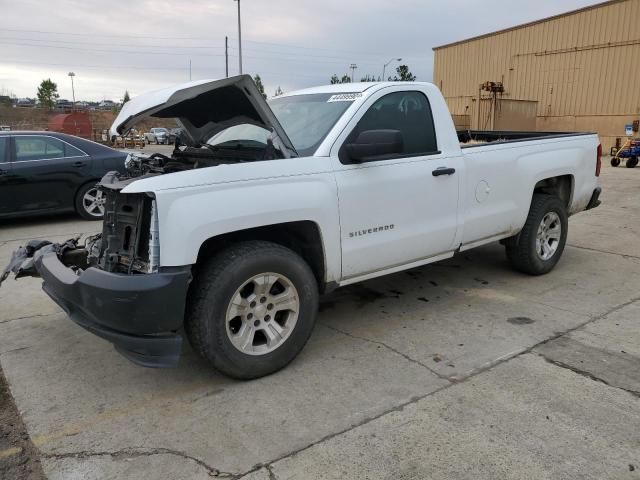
(204, 108)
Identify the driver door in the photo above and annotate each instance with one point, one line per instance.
(396, 210)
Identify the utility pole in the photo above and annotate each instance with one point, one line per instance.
(239, 39)
(226, 57)
(73, 91)
(353, 67)
(189, 69)
(386, 65)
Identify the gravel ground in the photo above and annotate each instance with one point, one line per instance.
(18, 457)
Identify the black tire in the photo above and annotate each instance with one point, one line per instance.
(521, 249)
(632, 162)
(215, 284)
(615, 161)
(79, 201)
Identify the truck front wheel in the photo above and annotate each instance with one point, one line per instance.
(251, 309)
(539, 246)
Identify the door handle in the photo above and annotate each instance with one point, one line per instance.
(79, 164)
(443, 171)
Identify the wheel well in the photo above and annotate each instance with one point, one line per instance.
(561, 187)
(302, 237)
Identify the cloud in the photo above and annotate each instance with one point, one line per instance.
(137, 46)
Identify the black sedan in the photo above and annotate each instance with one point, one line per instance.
(44, 172)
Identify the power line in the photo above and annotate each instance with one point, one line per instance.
(107, 67)
(82, 42)
(351, 52)
(135, 52)
(92, 34)
(81, 34)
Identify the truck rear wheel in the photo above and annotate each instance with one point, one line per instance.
(540, 244)
(252, 308)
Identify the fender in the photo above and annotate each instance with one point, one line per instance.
(243, 196)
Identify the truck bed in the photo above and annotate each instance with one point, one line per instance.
(477, 138)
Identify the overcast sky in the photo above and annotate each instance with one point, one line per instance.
(140, 45)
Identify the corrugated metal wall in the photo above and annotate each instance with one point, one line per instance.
(577, 66)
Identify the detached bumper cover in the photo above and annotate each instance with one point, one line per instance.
(595, 199)
(140, 314)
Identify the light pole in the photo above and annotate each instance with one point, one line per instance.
(384, 69)
(353, 67)
(239, 39)
(73, 91)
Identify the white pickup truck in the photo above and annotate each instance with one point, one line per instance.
(262, 207)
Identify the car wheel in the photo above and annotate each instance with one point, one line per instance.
(251, 309)
(90, 202)
(632, 162)
(539, 246)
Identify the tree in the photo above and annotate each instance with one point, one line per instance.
(126, 97)
(404, 75)
(369, 78)
(48, 93)
(260, 86)
(335, 79)
(278, 92)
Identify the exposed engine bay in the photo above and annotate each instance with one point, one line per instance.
(129, 239)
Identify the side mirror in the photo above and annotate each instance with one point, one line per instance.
(372, 144)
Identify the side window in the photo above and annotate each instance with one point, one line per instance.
(71, 151)
(408, 112)
(37, 148)
(4, 143)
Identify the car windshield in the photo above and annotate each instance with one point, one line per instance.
(307, 119)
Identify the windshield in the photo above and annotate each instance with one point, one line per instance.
(307, 119)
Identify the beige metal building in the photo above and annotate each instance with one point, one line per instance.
(572, 72)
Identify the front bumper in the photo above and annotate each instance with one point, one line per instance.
(140, 314)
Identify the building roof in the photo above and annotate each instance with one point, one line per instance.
(528, 24)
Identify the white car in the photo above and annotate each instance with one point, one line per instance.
(158, 136)
(232, 239)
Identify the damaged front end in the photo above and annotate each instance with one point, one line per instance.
(111, 283)
(128, 243)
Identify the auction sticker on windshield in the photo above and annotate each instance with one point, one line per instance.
(344, 97)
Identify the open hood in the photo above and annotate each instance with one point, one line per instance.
(204, 108)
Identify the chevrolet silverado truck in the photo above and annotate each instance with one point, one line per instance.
(262, 207)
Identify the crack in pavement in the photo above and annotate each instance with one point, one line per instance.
(390, 348)
(624, 255)
(26, 317)
(587, 374)
(272, 475)
(488, 366)
(136, 452)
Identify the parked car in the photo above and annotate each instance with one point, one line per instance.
(43, 172)
(159, 136)
(233, 238)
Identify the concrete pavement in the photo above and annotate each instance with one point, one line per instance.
(461, 369)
